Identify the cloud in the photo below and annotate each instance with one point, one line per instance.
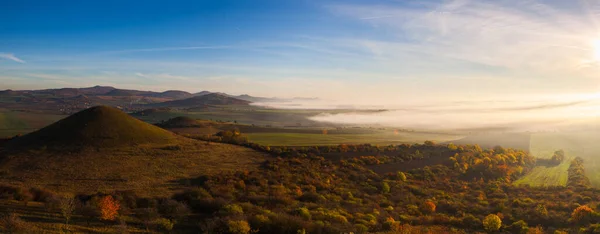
(11, 57)
(165, 49)
(527, 36)
(140, 74)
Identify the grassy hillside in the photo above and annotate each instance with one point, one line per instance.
(103, 148)
(146, 169)
(100, 126)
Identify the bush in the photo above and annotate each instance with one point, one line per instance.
(518, 227)
(361, 228)
(173, 210)
(232, 209)
(109, 208)
(492, 223)
(164, 224)
(11, 223)
(238, 227)
(304, 213)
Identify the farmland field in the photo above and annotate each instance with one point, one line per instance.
(575, 144)
(307, 139)
(15, 122)
(546, 176)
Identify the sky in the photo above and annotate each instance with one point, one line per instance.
(361, 51)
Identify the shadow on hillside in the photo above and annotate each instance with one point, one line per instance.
(198, 181)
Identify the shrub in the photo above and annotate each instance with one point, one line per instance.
(428, 207)
(492, 223)
(304, 213)
(361, 228)
(238, 227)
(164, 224)
(232, 209)
(109, 208)
(11, 223)
(173, 210)
(518, 227)
(581, 214)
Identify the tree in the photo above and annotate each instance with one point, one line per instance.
(519, 227)
(581, 214)
(109, 208)
(238, 227)
(401, 176)
(558, 156)
(67, 205)
(385, 187)
(541, 211)
(428, 207)
(492, 223)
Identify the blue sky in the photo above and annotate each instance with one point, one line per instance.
(359, 50)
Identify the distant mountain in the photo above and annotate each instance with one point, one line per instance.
(173, 94)
(202, 93)
(208, 99)
(96, 90)
(129, 92)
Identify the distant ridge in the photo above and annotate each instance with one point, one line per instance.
(208, 99)
(99, 126)
(180, 122)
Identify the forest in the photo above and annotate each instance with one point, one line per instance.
(432, 188)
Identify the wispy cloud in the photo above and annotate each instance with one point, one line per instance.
(166, 49)
(521, 35)
(11, 57)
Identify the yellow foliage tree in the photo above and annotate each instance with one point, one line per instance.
(492, 223)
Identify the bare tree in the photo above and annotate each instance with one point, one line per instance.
(67, 205)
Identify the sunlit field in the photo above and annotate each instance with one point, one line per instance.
(575, 144)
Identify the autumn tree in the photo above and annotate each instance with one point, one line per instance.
(238, 227)
(558, 156)
(401, 176)
(428, 207)
(581, 214)
(492, 223)
(109, 208)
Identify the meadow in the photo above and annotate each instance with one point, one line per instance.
(381, 138)
(575, 144)
(19, 122)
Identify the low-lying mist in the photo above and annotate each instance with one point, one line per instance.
(549, 114)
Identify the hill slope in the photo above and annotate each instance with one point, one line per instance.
(115, 151)
(208, 99)
(99, 126)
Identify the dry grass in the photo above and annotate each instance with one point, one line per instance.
(41, 220)
(146, 169)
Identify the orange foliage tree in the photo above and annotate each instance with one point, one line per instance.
(109, 208)
(428, 207)
(581, 214)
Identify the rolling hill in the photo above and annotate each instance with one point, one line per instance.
(104, 149)
(208, 99)
(99, 126)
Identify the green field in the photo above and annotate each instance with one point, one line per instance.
(16, 122)
(304, 139)
(546, 176)
(575, 144)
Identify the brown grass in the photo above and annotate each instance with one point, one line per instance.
(146, 169)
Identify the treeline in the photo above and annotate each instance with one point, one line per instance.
(577, 177)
